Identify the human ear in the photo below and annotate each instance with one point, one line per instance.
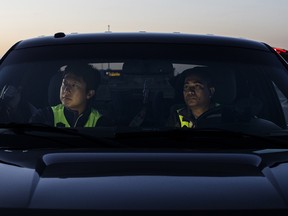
(90, 94)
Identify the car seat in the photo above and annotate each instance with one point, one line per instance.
(140, 94)
(223, 81)
(54, 89)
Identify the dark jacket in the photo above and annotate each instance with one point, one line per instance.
(213, 115)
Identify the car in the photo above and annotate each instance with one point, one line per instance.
(282, 52)
(232, 161)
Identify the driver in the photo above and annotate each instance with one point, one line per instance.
(77, 90)
(197, 92)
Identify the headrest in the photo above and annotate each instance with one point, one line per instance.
(225, 87)
(223, 81)
(54, 89)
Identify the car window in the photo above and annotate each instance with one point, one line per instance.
(284, 102)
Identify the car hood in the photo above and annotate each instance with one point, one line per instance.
(144, 180)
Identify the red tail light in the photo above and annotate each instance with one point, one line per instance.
(279, 50)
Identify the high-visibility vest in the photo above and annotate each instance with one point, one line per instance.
(59, 117)
(183, 123)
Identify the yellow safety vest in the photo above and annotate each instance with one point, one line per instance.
(59, 117)
(183, 123)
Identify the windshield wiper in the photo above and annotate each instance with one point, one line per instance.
(60, 137)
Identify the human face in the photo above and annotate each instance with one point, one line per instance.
(73, 93)
(196, 93)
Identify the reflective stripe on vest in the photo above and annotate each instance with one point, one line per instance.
(59, 117)
(183, 123)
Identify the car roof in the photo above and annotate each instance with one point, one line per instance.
(139, 37)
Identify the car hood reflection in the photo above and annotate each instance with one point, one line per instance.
(151, 181)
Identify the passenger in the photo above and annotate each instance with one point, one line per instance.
(77, 90)
(197, 92)
(13, 106)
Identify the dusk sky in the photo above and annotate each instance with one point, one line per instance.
(262, 20)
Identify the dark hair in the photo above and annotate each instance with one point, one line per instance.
(89, 75)
(202, 72)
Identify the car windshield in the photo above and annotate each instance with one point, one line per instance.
(146, 86)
